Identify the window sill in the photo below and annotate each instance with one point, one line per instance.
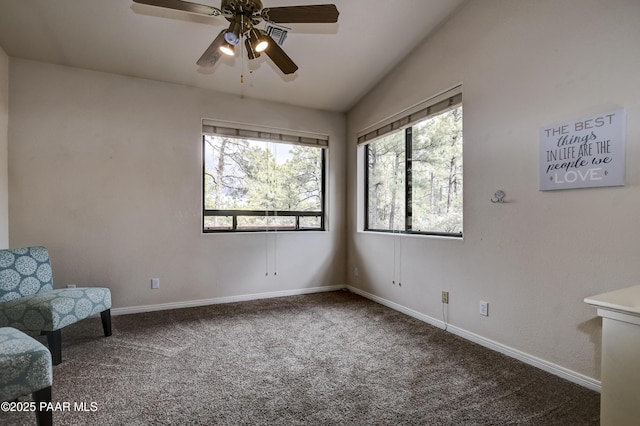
(413, 235)
(265, 232)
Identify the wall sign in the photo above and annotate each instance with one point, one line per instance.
(584, 153)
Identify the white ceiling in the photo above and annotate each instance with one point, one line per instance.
(339, 63)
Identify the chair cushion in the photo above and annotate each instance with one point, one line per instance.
(55, 309)
(24, 272)
(25, 365)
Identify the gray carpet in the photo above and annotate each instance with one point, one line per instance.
(322, 359)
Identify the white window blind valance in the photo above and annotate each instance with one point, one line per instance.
(246, 131)
(436, 105)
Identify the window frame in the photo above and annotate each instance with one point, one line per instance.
(276, 136)
(405, 121)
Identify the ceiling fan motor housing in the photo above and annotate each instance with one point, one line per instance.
(250, 9)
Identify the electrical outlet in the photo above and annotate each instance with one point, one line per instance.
(71, 286)
(155, 283)
(445, 297)
(484, 308)
(356, 272)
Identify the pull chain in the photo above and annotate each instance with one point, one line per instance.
(241, 51)
(241, 63)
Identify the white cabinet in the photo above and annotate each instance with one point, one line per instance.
(620, 374)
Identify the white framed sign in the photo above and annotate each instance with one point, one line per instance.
(584, 153)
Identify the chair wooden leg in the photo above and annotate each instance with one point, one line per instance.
(54, 338)
(106, 321)
(43, 417)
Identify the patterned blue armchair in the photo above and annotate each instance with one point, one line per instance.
(29, 303)
(25, 368)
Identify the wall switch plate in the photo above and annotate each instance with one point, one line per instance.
(155, 282)
(484, 308)
(445, 297)
(356, 272)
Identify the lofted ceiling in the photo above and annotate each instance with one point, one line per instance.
(338, 63)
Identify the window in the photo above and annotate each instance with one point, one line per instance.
(413, 170)
(262, 180)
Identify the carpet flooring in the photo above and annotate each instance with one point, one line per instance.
(322, 359)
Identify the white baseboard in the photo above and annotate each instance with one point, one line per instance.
(220, 300)
(547, 366)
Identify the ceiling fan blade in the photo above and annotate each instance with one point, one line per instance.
(277, 55)
(212, 54)
(319, 13)
(186, 6)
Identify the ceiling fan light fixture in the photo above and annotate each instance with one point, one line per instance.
(262, 45)
(232, 36)
(227, 49)
(258, 41)
(252, 54)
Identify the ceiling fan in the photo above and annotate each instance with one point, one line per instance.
(243, 16)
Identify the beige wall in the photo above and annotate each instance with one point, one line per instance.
(4, 129)
(523, 65)
(105, 170)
